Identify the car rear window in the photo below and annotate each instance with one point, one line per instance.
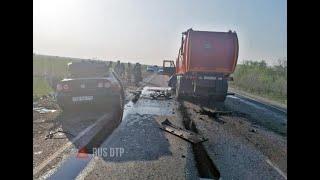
(88, 69)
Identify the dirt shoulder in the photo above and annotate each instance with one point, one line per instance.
(43, 123)
(53, 129)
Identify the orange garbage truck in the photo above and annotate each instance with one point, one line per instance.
(204, 64)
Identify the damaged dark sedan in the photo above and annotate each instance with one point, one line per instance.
(90, 86)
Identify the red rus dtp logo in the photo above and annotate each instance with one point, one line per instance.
(82, 153)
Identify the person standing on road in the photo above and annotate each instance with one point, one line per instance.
(137, 73)
(122, 70)
(109, 65)
(117, 68)
(129, 73)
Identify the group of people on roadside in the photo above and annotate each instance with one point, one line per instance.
(129, 72)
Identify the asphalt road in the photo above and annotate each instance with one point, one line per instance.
(148, 151)
(139, 149)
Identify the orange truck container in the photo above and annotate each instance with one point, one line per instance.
(205, 61)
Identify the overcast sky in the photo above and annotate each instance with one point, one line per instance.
(150, 30)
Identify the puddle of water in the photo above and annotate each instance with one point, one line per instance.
(71, 167)
(127, 108)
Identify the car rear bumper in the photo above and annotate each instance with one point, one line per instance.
(99, 99)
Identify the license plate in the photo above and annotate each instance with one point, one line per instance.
(209, 78)
(82, 98)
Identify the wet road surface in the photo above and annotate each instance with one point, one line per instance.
(139, 149)
(149, 152)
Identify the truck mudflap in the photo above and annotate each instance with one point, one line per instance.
(213, 87)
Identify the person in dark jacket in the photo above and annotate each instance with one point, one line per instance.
(129, 72)
(137, 73)
(117, 68)
(122, 70)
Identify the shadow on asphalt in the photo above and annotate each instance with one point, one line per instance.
(204, 103)
(141, 139)
(138, 134)
(70, 124)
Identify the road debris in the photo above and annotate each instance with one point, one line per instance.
(160, 94)
(182, 133)
(213, 114)
(253, 130)
(59, 131)
(230, 94)
(39, 152)
(136, 96)
(219, 120)
(43, 110)
(157, 93)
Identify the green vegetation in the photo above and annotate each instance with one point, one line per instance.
(46, 68)
(260, 79)
(50, 65)
(41, 87)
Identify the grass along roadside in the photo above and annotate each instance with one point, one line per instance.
(259, 79)
(278, 101)
(47, 69)
(41, 86)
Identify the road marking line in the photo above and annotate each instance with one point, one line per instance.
(57, 153)
(242, 96)
(277, 169)
(88, 169)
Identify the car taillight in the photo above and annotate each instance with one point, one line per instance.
(100, 84)
(65, 87)
(107, 85)
(115, 87)
(59, 87)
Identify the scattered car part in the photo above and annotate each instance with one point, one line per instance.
(182, 133)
